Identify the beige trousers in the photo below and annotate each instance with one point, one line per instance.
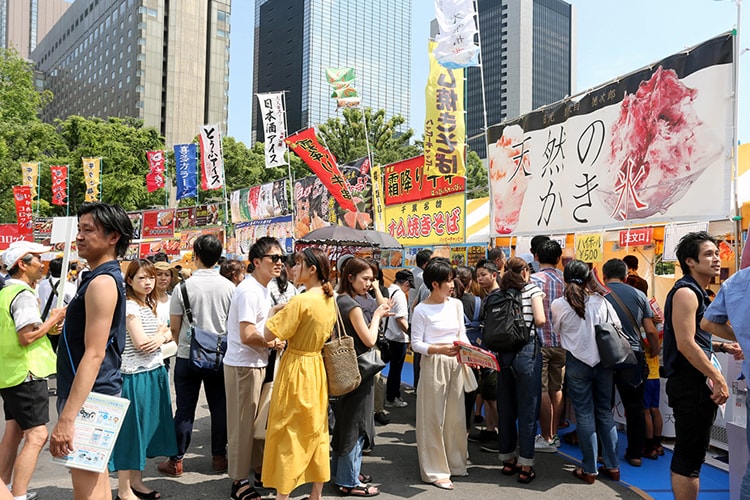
(441, 419)
(242, 385)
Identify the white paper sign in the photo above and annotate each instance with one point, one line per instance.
(673, 234)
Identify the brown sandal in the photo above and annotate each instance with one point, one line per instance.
(584, 476)
(510, 467)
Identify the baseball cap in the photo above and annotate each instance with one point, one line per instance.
(20, 249)
(405, 275)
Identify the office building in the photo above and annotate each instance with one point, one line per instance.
(163, 62)
(528, 56)
(24, 22)
(296, 40)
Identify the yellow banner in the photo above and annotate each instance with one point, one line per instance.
(589, 247)
(377, 198)
(436, 221)
(444, 126)
(30, 176)
(92, 169)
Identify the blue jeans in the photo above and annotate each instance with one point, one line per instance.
(397, 351)
(519, 386)
(590, 391)
(187, 387)
(745, 488)
(345, 468)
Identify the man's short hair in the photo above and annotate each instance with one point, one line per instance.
(112, 219)
(615, 269)
(489, 265)
(549, 252)
(689, 247)
(536, 243)
(423, 257)
(159, 257)
(208, 249)
(495, 253)
(631, 261)
(55, 267)
(260, 248)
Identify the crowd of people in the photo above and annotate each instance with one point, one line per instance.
(120, 325)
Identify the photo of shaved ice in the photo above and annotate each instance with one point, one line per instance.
(659, 147)
(509, 179)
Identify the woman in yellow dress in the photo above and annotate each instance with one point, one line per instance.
(297, 441)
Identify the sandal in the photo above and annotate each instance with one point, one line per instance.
(444, 484)
(359, 491)
(243, 491)
(151, 495)
(613, 474)
(584, 476)
(364, 478)
(510, 467)
(257, 482)
(526, 477)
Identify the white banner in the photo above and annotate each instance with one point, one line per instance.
(274, 128)
(212, 159)
(653, 146)
(455, 43)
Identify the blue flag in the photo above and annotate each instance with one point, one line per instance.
(185, 156)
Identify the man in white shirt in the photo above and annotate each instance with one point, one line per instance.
(246, 360)
(48, 299)
(398, 339)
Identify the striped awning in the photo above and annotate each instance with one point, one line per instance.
(478, 220)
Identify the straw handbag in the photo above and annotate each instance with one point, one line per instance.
(340, 360)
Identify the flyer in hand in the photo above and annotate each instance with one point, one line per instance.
(472, 355)
(96, 428)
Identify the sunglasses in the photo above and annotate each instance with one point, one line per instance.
(275, 258)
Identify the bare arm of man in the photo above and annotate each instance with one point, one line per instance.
(101, 301)
(175, 323)
(651, 335)
(684, 307)
(30, 333)
(250, 336)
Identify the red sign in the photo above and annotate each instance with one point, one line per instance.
(323, 164)
(405, 182)
(22, 197)
(156, 168)
(636, 237)
(158, 224)
(9, 233)
(59, 184)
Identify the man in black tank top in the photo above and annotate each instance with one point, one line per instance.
(94, 333)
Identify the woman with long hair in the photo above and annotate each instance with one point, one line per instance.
(437, 322)
(233, 270)
(282, 288)
(519, 382)
(589, 383)
(297, 441)
(354, 427)
(147, 430)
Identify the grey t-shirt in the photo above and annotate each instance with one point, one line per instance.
(638, 305)
(24, 308)
(210, 295)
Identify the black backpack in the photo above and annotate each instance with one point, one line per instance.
(505, 329)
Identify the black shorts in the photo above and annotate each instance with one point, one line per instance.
(27, 403)
(694, 414)
(488, 384)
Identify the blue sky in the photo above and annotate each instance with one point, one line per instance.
(614, 37)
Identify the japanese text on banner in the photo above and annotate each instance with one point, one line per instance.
(212, 159)
(427, 222)
(59, 175)
(185, 166)
(156, 169)
(92, 171)
(22, 197)
(274, 128)
(30, 176)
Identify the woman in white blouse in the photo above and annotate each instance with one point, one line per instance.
(148, 429)
(589, 384)
(437, 323)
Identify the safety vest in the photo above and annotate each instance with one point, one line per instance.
(37, 357)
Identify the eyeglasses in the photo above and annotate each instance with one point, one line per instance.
(275, 258)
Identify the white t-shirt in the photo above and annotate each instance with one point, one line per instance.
(251, 303)
(437, 324)
(162, 311)
(44, 289)
(400, 309)
(576, 333)
(134, 360)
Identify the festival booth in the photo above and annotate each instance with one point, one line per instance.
(627, 168)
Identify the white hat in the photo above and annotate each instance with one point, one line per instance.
(20, 249)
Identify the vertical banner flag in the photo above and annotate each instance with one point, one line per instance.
(378, 209)
(212, 159)
(274, 128)
(185, 164)
(342, 81)
(30, 176)
(22, 197)
(92, 169)
(455, 43)
(444, 126)
(323, 164)
(59, 184)
(156, 168)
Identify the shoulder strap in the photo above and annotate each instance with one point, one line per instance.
(52, 294)
(477, 307)
(186, 302)
(626, 309)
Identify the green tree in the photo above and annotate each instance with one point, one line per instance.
(20, 102)
(476, 177)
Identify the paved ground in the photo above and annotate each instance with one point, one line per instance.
(393, 465)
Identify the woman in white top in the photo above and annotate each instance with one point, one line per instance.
(437, 322)
(164, 275)
(589, 383)
(148, 429)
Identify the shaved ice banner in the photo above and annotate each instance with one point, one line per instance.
(654, 145)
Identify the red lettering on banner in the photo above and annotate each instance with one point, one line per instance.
(636, 237)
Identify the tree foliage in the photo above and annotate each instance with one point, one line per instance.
(19, 100)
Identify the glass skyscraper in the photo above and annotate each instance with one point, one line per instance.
(296, 40)
(528, 55)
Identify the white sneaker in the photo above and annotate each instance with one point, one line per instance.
(396, 403)
(556, 441)
(541, 445)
